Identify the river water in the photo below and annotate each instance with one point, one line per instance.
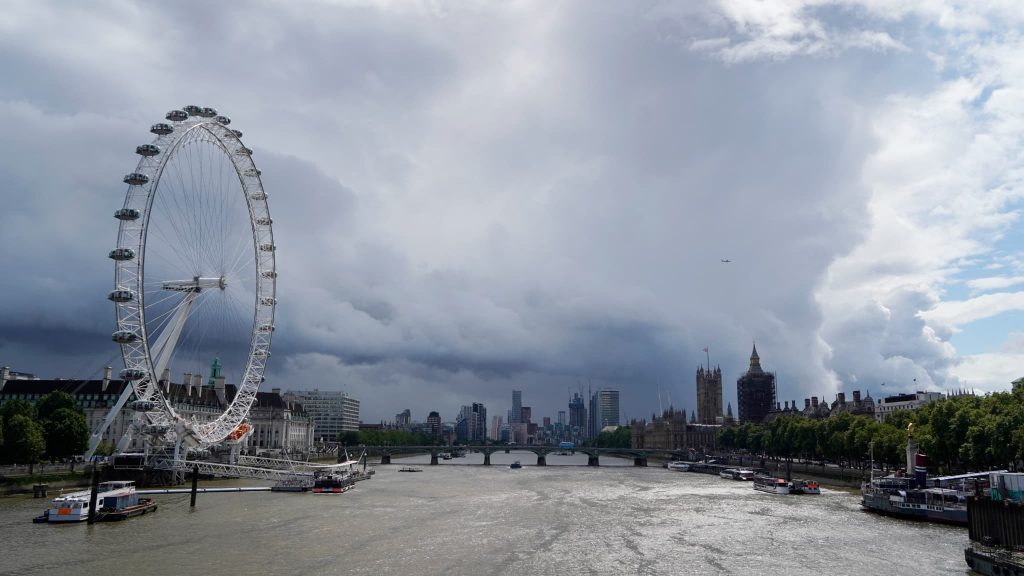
(456, 518)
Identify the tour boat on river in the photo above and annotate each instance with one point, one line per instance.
(115, 500)
(678, 466)
(799, 486)
(771, 484)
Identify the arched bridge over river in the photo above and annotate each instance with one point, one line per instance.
(639, 455)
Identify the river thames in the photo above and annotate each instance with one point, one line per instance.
(461, 519)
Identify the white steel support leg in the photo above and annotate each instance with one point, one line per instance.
(168, 340)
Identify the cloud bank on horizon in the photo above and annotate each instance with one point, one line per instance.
(471, 198)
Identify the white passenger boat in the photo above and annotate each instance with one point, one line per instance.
(678, 466)
(74, 507)
(729, 474)
(771, 484)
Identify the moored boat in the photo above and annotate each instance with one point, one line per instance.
(410, 469)
(333, 482)
(516, 465)
(728, 473)
(941, 499)
(115, 500)
(678, 466)
(995, 526)
(771, 484)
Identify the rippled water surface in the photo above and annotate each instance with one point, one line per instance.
(457, 518)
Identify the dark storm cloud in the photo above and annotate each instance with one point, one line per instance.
(465, 201)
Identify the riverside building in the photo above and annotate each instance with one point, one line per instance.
(604, 410)
(332, 412)
(278, 425)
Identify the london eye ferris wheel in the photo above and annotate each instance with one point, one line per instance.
(195, 275)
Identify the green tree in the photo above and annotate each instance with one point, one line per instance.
(54, 401)
(620, 438)
(67, 433)
(104, 448)
(8, 411)
(348, 438)
(24, 441)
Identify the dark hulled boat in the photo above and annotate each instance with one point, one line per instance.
(995, 522)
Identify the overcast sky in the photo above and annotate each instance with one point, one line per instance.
(471, 198)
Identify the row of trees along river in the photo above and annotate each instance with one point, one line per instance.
(959, 434)
(53, 429)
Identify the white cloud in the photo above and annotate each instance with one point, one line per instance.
(986, 284)
(957, 313)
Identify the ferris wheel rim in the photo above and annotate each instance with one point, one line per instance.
(130, 269)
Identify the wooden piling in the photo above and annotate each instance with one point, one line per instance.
(92, 493)
(195, 485)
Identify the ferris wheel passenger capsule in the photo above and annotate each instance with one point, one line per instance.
(223, 120)
(271, 274)
(143, 405)
(147, 150)
(162, 129)
(177, 115)
(243, 151)
(266, 328)
(193, 110)
(122, 254)
(268, 247)
(136, 179)
(127, 214)
(121, 296)
(132, 374)
(264, 221)
(253, 172)
(268, 301)
(124, 337)
(208, 112)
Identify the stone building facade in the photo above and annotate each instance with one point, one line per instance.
(671, 431)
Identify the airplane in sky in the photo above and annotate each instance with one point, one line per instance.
(726, 260)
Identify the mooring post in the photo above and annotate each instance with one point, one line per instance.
(433, 457)
(592, 460)
(92, 493)
(195, 485)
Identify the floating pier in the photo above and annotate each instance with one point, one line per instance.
(204, 490)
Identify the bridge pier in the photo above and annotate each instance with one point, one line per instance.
(640, 461)
(433, 458)
(592, 460)
(487, 458)
(385, 458)
(506, 450)
(542, 460)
